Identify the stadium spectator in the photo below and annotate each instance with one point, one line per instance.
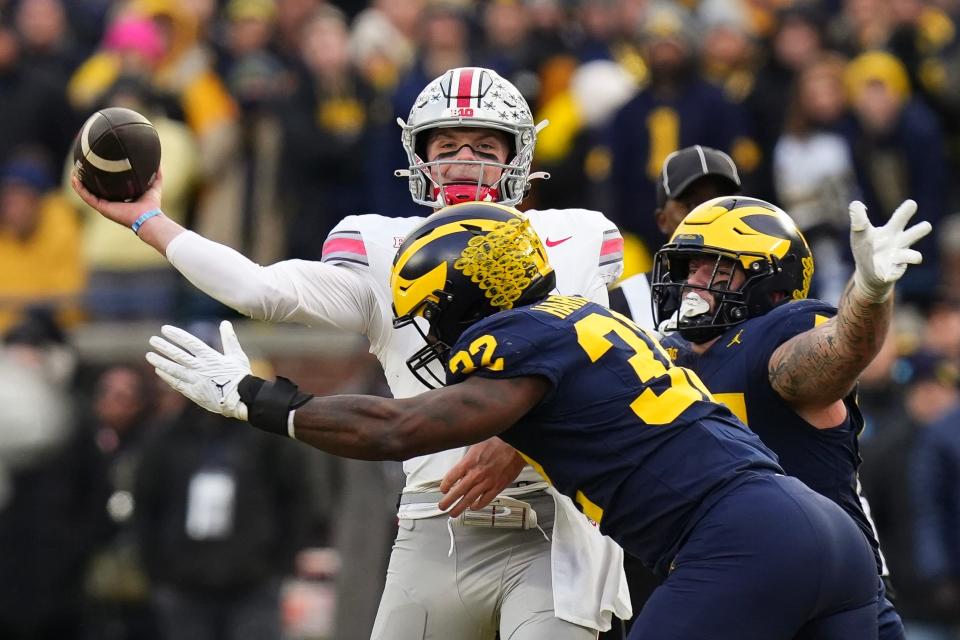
(898, 152)
(258, 80)
(941, 332)
(291, 14)
(924, 387)
(220, 516)
(934, 481)
(117, 589)
(881, 388)
(52, 516)
(326, 125)
(675, 110)
(365, 527)
(34, 111)
(505, 47)
(383, 41)
(813, 171)
(571, 149)
(796, 42)
(132, 47)
(40, 244)
(48, 46)
(730, 54)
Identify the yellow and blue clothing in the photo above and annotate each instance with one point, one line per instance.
(736, 370)
(675, 479)
(651, 126)
(46, 268)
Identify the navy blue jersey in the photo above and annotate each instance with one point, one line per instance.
(736, 370)
(635, 441)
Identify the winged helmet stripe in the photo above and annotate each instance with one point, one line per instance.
(464, 87)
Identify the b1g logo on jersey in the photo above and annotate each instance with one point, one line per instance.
(462, 112)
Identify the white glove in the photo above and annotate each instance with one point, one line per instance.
(201, 373)
(882, 253)
(693, 305)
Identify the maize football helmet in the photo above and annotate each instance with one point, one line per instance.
(470, 97)
(754, 236)
(461, 265)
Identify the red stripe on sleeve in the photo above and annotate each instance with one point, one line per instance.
(613, 245)
(344, 245)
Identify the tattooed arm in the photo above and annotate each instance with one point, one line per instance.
(372, 428)
(816, 369)
(813, 371)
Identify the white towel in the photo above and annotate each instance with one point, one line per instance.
(589, 585)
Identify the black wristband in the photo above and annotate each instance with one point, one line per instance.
(270, 403)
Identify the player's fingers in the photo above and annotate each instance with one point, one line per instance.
(900, 217)
(152, 195)
(185, 340)
(454, 493)
(447, 501)
(85, 195)
(858, 216)
(449, 481)
(914, 233)
(909, 256)
(466, 502)
(231, 344)
(464, 488)
(168, 367)
(175, 384)
(454, 475)
(172, 352)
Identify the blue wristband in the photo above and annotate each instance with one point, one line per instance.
(143, 218)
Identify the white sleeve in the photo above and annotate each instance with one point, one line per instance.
(300, 291)
(611, 254)
(598, 292)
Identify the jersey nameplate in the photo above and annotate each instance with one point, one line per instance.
(560, 306)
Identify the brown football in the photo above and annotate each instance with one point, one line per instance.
(117, 154)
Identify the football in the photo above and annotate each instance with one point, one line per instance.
(117, 154)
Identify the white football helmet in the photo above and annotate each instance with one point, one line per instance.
(470, 97)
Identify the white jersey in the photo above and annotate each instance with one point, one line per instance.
(350, 290)
(584, 249)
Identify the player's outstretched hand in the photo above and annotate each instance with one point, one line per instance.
(200, 372)
(882, 253)
(487, 469)
(125, 213)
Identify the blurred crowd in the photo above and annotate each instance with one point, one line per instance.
(277, 118)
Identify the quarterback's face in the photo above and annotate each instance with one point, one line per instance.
(727, 276)
(469, 144)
